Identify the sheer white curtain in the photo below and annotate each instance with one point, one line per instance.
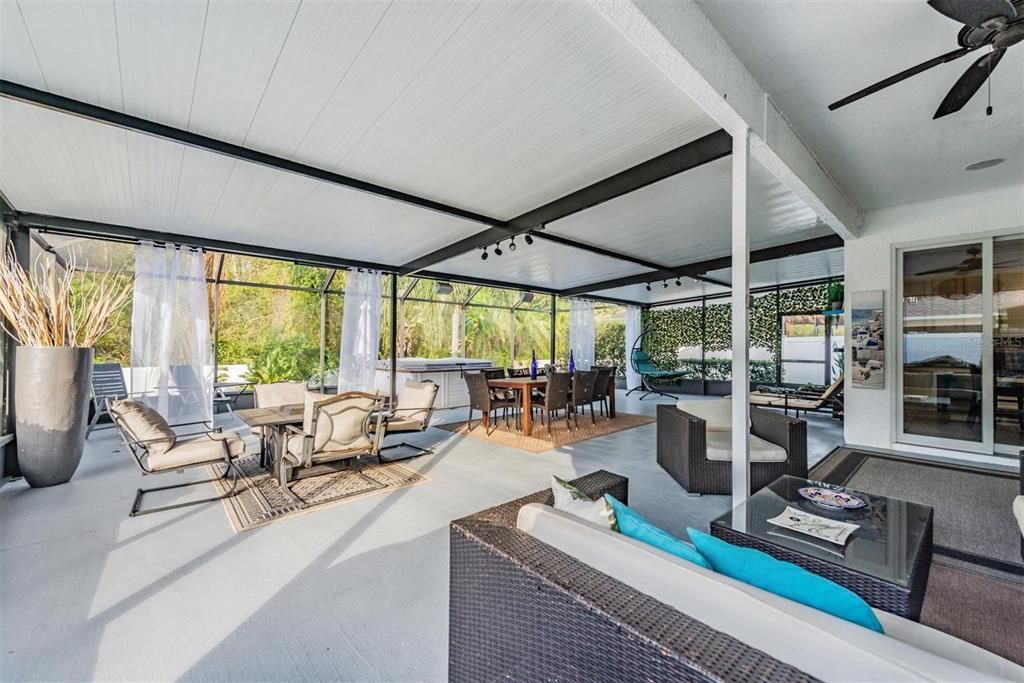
(632, 333)
(581, 332)
(360, 331)
(172, 364)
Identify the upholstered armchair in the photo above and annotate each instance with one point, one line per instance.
(695, 445)
(334, 430)
(158, 448)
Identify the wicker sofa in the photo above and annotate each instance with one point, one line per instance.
(682, 450)
(521, 609)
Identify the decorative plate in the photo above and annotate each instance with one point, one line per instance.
(831, 499)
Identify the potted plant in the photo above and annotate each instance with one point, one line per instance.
(835, 295)
(56, 326)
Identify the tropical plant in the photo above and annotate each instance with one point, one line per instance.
(43, 307)
(836, 291)
(284, 360)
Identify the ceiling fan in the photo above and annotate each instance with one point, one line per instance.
(999, 23)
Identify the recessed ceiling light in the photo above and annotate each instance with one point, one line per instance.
(987, 163)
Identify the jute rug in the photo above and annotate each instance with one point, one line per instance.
(540, 441)
(259, 500)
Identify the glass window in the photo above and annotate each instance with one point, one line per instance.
(942, 312)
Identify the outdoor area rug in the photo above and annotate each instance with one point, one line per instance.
(981, 609)
(260, 501)
(540, 440)
(973, 519)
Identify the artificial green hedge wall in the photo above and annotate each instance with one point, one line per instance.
(674, 328)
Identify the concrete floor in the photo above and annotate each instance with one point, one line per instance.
(355, 592)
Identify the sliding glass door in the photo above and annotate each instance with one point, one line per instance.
(1008, 342)
(961, 354)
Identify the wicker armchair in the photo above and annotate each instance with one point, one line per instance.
(682, 450)
(521, 610)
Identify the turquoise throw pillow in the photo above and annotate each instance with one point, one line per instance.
(784, 578)
(635, 526)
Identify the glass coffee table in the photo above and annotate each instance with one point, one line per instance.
(886, 560)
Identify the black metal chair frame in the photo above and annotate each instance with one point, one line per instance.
(646, 385)
(140, 451)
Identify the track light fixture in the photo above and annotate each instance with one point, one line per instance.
(529, 239)
(512, 244)
(679, 282)
(484, 255)
(497, 249)
(648, 286)
(664, 283)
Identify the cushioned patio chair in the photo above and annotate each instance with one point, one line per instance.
(694, 445)
(411, 415)
(274, 395)
(650, 374)
(158, 449)
(336, 431)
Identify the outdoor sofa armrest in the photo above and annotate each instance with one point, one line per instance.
(783, 430)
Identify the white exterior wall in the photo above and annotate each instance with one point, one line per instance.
(870, 265)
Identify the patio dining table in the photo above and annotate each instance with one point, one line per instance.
(524, 386)
(276, 419)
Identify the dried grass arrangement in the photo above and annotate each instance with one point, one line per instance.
(42, 308)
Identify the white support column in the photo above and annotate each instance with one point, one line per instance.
(740, 314)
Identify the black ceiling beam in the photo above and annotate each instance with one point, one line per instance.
(701, 151)
(124, 233)
(699, 268)
(66, 105)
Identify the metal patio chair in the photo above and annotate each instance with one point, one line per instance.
(107, 385)
(411, 415)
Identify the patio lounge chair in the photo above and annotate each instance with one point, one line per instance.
(158, 449)
(107, 385)
(798, 400)
(650, 374)
(334, 430)
(410, 416)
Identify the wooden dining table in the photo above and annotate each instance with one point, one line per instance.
(524, 386)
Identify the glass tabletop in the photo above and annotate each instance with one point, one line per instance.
(885, 544)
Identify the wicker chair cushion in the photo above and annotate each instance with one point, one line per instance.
(812, 641)
(197, 449)
(144, 424)
(716, 413)
(719, 449)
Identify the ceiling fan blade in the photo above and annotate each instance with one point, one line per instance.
(912, 71)
(974, 12)
(968, 83)
(939, 271)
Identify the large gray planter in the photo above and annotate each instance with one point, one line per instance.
(51, 403)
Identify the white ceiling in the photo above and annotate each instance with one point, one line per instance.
(688, 217)
(492, 107)
(884, 150)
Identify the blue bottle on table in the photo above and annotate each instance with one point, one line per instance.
(572, 363)
(533, 365)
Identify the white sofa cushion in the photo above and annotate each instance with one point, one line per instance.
(716, 412)
(814, 642)
(719, 448)
(1018, 512)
